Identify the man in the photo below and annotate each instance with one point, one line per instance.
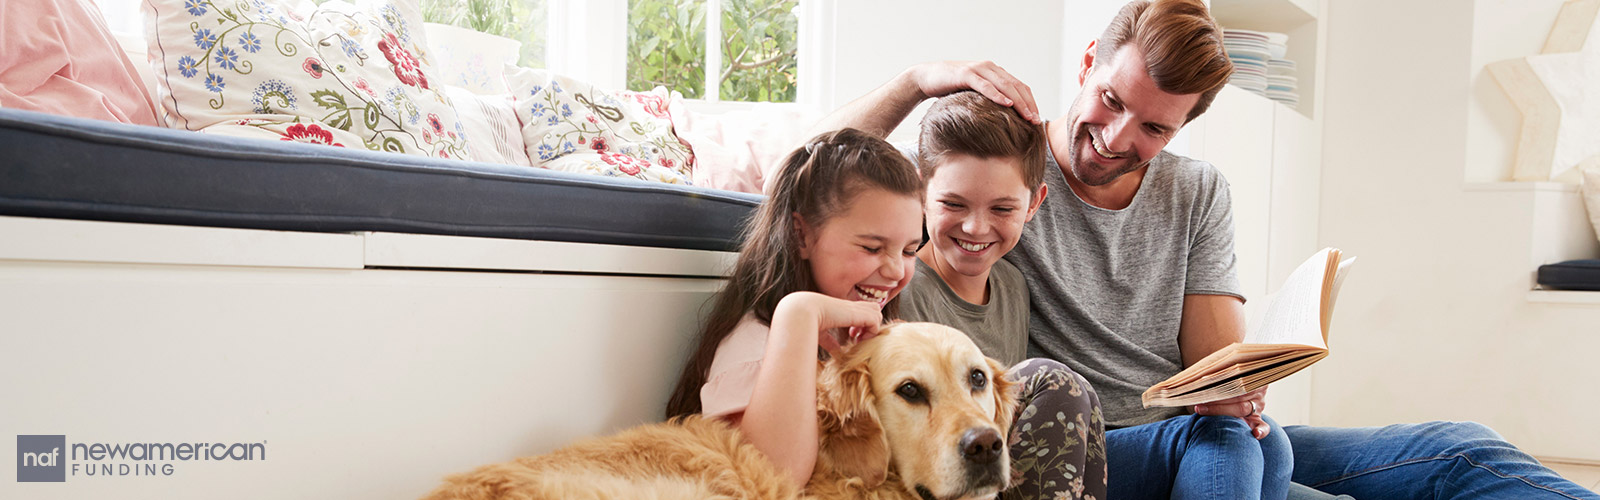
(1129, 264)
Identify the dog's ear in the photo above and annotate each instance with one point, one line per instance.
(853, 443)
(1005, 397)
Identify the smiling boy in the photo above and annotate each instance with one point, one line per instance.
(984, 166)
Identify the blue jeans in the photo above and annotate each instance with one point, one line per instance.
(1197, 457)
(1435, 460)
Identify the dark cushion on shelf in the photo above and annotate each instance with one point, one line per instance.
(1571, 275)
(64, 167)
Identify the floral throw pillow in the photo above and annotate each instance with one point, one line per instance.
(572, 126)
(334, 74)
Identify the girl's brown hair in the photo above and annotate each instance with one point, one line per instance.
(816, 182)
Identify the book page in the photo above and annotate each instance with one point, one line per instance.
(1288, 333)
(1333, 295)
(1295, 314)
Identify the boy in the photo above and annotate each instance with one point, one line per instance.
(984, 166)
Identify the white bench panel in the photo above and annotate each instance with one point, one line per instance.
(26, 238)
(456, 252)
(365, 384)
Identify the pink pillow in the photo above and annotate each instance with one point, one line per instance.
(57, 56)
(739, 150)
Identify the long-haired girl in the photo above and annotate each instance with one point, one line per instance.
(829, 251)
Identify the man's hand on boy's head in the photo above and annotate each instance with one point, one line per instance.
(937, 79)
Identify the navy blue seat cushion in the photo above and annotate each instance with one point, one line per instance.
(1571, 275)
(65, 167)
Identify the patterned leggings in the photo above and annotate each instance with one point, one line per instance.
(1058, 441)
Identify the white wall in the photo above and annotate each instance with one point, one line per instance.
(1504, 29)
(878, 39)
(1437, 321)
(1081, 23)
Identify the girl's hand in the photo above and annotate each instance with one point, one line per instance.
(862, 334)
(859, 319)
(1249, 407)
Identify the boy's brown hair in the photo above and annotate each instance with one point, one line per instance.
(967, 123)
(1182, 47)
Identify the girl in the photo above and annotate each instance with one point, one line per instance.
(828, 251)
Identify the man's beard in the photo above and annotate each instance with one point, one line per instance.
(1079, 167)
(1092, 173)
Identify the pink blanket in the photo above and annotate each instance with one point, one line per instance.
(738, 151)
(57, 56)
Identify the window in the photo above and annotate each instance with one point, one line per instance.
(762, 50)
(751, 53)
(520, 20)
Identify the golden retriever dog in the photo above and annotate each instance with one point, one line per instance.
(916, 413)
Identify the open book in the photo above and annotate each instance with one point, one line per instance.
(1292, 334)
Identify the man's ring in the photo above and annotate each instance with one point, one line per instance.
(1253, 409)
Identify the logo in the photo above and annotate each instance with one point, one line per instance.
(50, 459)
(41, 459)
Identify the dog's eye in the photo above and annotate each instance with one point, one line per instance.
(979, 380)
(911, 392)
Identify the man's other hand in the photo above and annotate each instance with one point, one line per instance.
(1249, 407)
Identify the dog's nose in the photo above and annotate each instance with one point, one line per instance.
(980, 446)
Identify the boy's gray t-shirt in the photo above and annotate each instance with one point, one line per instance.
(1000, 328)
(1107, 286)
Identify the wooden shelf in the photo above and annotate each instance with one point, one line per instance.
(1268, 15)
(1299, 19)
(1543, 186)
(1249, 94)
(1564, 297)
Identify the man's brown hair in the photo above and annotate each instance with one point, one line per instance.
(1182, 47)
(967, 123)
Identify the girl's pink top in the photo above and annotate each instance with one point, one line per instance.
(732, 378)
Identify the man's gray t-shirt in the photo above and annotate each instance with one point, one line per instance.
(1000, 328)
(1107, 286)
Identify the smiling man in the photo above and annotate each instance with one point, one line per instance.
(1130, 269)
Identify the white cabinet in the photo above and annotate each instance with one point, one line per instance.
(1271, 155)
(1236, 135)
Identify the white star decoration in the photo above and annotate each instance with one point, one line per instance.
(1558, 92)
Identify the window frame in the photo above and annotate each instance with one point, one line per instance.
(603, 59)
(600, 57)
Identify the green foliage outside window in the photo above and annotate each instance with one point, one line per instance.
(758, 47)
(666, 42)
(666, 47)
(520, 20)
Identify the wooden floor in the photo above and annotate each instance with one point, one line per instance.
(1586, 475)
